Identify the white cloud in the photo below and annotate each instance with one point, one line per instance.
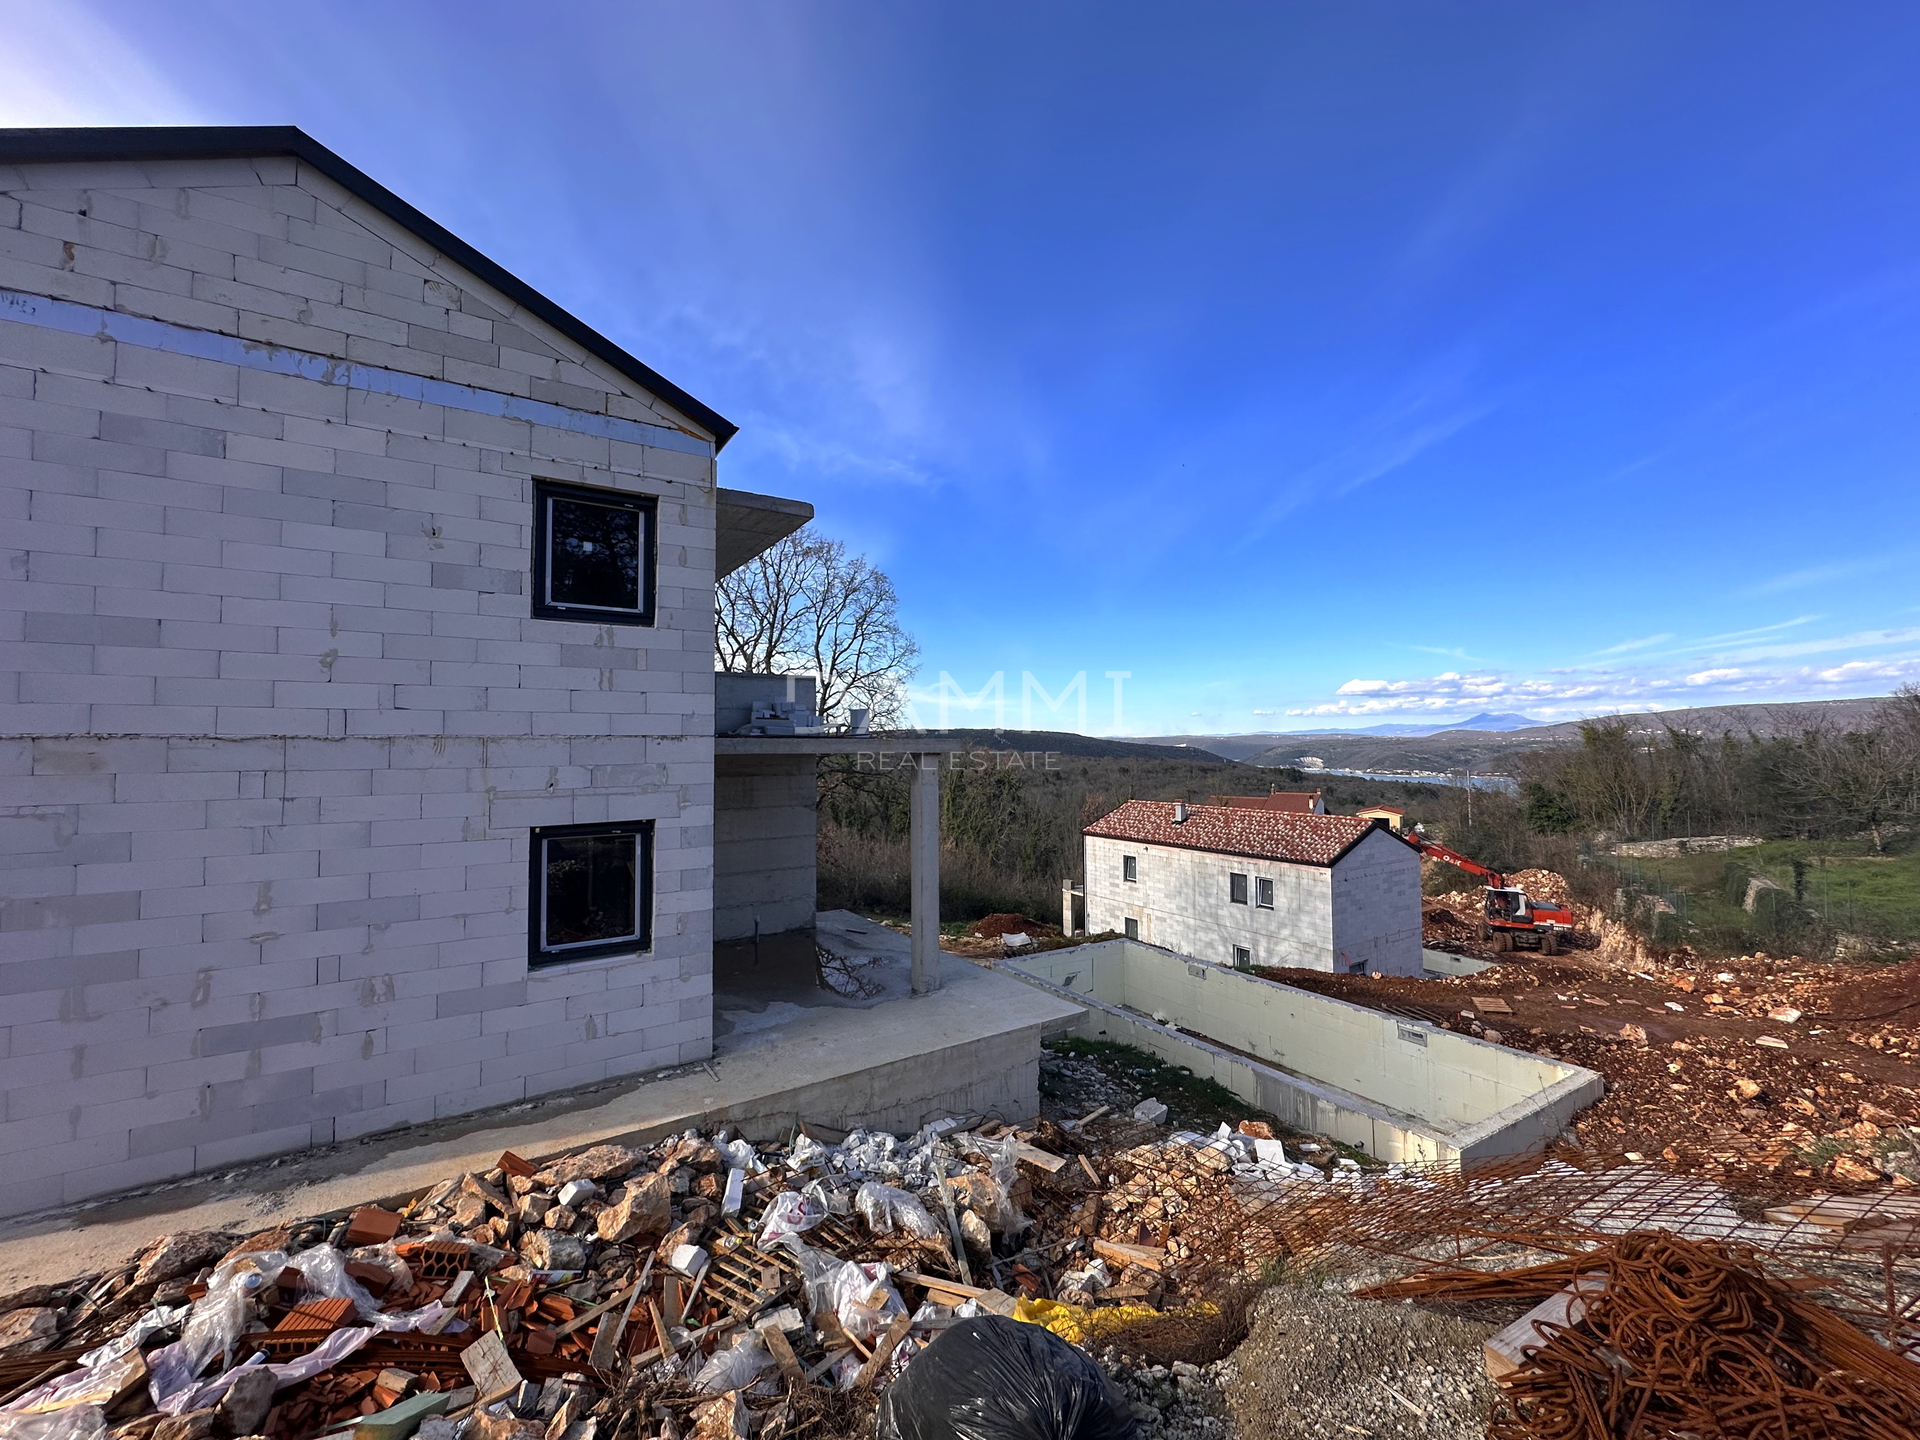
(1568, 693)
(62, 64)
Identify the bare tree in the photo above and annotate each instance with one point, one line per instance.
(1865, 776)
(807, 606)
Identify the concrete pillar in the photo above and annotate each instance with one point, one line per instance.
(923, 852)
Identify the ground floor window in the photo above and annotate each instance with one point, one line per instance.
(1242, 958)
(1133, 928)
(592, 889)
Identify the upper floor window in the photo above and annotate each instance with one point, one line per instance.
(1237, 889)
(593, 554)
(592, 891)
(1263, 894)
(1129, 867)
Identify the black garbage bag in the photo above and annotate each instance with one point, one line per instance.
(997, 1379)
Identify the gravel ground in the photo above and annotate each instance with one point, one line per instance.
(1319, 1363)
(1178, 1402)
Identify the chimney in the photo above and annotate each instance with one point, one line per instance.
(1179, 812)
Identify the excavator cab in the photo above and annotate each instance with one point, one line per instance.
(1509, 905)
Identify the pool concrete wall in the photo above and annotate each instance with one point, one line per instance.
(1398, 1089)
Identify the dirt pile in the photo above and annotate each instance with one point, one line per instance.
(993, 927)
(1756, 1063)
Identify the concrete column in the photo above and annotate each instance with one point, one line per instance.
(923, 852)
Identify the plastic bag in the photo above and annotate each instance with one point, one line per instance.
(76, 1422)
(734, 1369)
(740, 1156)
(863, 1298)
(829, 1199)
(1003, 1163)
(807, 1153)
(789, 1213)
(887, 1209)
(995, 1379)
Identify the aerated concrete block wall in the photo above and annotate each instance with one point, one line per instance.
(764, 850)
(275, 718)
(1362, 913)
(1400, 1090)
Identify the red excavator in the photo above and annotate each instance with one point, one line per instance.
(1512, 918)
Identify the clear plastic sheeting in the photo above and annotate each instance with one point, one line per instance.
(992, 1378)
(734, 1369)
(888, 1209)
(331, 1351)
(741, 1156)
(76, 1422)
(99, 1384)
(216, 1323)
(156, 1321)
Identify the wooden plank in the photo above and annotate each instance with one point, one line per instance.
(934, 1282)
(1506, 1350)
(1151, 1256)
(1034, 1155)
(605, 1355)
(882, 1352)
(1491, 1005)
(587, 1317)
(782, 1352)
(834, 1357)
(1087, 1165)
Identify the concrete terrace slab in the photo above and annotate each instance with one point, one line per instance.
(971, 1047)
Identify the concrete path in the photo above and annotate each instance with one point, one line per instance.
(971, 1047)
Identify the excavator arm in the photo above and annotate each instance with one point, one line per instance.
(1438, 851)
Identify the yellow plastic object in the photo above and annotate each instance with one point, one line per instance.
(1080, 1324)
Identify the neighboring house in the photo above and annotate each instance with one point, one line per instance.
(356, 669)
(1246, 887)
(1287, 802)
(1396, 818)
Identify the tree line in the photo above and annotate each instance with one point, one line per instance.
(1821, 783)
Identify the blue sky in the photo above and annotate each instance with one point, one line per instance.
(1311, 364)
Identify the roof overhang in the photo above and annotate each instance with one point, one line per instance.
(748, 525)
(238, 142)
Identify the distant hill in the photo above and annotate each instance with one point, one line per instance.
(1066, 743)
(1491, 751)
(1484, 721)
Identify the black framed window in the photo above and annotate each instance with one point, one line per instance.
(1237, 889)
(1263, 894)
(1242, 958)
(593, 554)
(592, 888)
(1132, 928)
(1129, 868)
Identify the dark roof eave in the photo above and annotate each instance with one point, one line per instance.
(231, 142)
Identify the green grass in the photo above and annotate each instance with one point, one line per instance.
(1847, 889)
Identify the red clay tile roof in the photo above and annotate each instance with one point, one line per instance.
(1259, 834)
(1298, 802)
(1383, 809)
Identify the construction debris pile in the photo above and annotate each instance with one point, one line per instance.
(702, 1287)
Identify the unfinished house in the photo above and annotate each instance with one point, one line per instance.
(1254, 886)
(357, 718)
